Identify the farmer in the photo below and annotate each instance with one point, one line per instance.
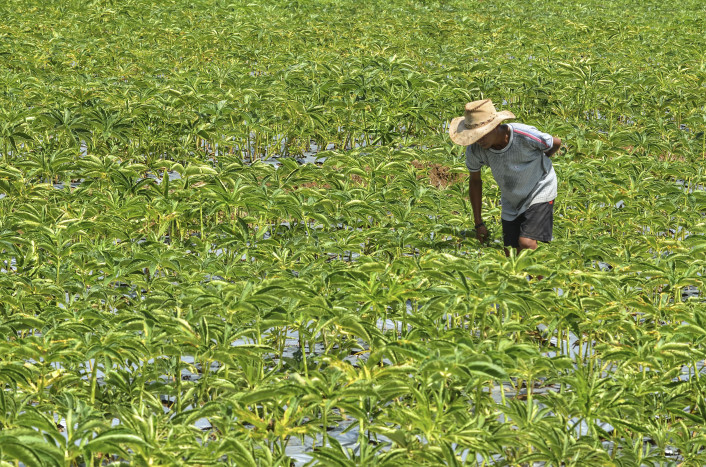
(518, 156)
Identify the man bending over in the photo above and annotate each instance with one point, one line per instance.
(518, 157)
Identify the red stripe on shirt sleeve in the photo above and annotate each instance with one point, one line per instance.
(531, 136)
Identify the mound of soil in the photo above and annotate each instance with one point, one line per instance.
(439, 175)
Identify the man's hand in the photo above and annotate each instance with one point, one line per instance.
(482, 233)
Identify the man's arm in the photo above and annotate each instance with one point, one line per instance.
(556, 144)
(475, 191)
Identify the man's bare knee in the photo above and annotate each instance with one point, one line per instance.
(527, 243)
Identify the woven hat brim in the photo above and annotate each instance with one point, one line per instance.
(463, 136)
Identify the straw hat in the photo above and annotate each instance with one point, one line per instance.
(479, 119)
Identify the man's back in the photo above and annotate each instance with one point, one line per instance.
(523, 172)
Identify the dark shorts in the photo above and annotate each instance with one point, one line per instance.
(535, 223)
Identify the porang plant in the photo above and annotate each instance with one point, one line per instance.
(238, 234)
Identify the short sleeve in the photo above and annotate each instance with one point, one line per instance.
(535, 138)
(473, 159)
(547, 140)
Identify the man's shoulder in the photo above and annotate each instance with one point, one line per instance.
(474, 157)
(523, 128)
(530, 134)
(473, 150)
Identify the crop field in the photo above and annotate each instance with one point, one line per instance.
(238, 234)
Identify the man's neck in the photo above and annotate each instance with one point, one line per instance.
(504, 138)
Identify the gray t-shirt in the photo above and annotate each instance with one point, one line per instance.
(523, 172)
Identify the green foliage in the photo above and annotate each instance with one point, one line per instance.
(176, 287)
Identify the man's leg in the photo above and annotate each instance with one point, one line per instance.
(537, 225)
(511, 233)
(526, 244)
